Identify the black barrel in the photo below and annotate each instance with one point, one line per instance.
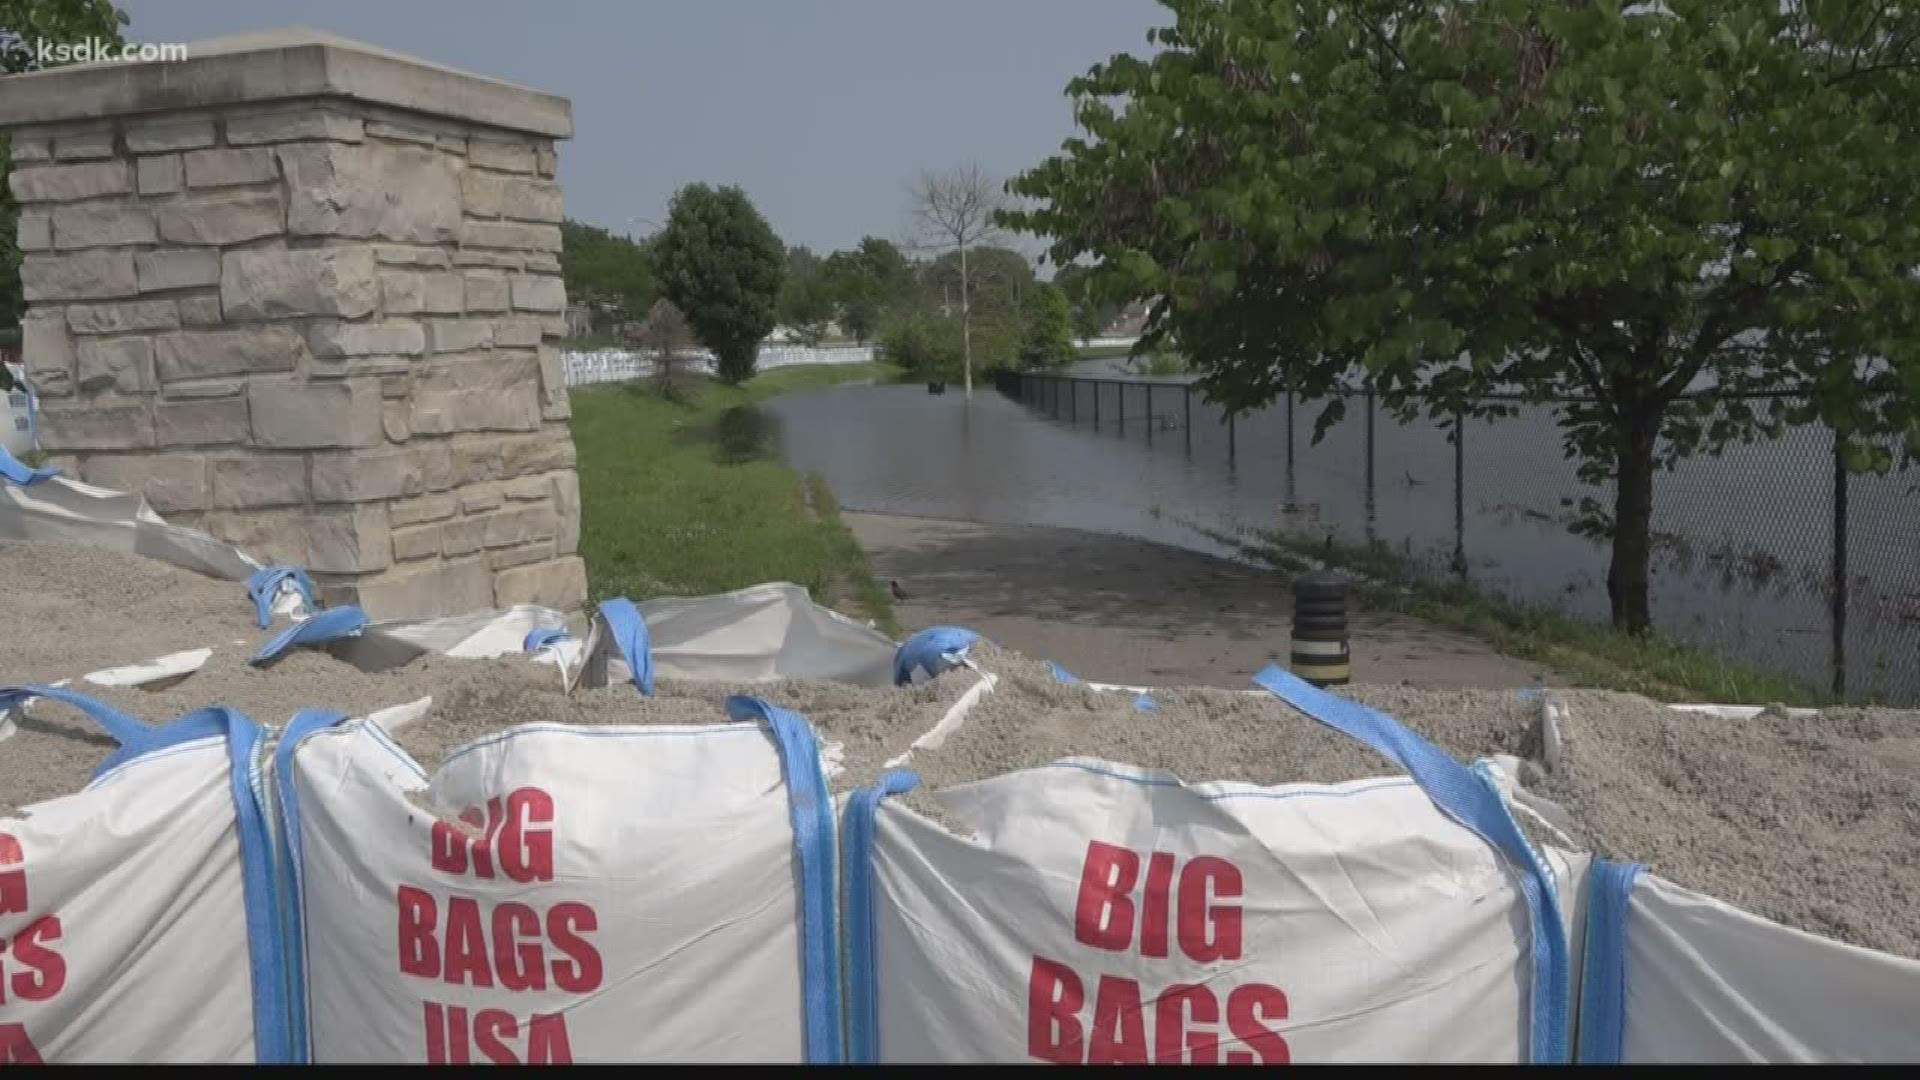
(1320, 654)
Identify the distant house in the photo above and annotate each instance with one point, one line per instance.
(1131, 322)
(787, 335)
(579, 320)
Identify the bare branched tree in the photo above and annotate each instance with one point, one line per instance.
(665, 334)
(954, 211)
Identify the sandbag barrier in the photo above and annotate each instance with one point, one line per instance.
(221, 885)
(1146, 920)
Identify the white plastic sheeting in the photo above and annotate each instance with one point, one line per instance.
(760, 633)
(68, 511)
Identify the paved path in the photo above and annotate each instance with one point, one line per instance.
(1111, 609)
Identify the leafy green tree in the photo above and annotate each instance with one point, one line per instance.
(868, 282)
(806, 296)
(1049, 327)
(927, 343)
(924, 344)
(997, 339)
(22, 22)
(609, 272)
(998, 280)
(721, 265)
(1092, 314)
(1620, 201)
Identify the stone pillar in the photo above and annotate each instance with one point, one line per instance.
(305, 294)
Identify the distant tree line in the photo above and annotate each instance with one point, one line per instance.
(731, 282)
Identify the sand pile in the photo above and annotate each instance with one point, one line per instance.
(69, 610)
(1197, 733)
(1813, 822)
(872, 725)
(307, 679)
(56, 749)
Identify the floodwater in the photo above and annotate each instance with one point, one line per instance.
(1744, 540)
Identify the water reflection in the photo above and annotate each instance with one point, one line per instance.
(898, 449)
(738, 435)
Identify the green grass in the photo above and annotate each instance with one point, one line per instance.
(1590, 655)
(687, 499)
(849, 561)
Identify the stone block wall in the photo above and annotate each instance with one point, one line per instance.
(323, 330)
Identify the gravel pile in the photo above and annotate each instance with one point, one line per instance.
(66, 610)
(871, 725)
(1197, 733)
(1813, 822)
(56, 749)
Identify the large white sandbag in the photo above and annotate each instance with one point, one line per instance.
(1675, 976)
(620, 894)
(137, 916)
(1102, 913)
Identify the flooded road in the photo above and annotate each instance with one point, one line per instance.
(1745, 539)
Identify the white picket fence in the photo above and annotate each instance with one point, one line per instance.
(623, 365)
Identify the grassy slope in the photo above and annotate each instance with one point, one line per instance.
(662, 515)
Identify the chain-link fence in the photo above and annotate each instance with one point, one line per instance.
(1767, 552)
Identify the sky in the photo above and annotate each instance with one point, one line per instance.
(822, 110)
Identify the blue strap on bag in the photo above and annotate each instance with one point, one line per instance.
(1471, 800)
(811, 808)
(931, 650)
(330, 625)
(19, 472)
(863, 946)
(266, 948)
(292, 912)
(1603, 982)
(263, 585)
(629, 633)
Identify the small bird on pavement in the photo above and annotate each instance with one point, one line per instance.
(894, 588)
